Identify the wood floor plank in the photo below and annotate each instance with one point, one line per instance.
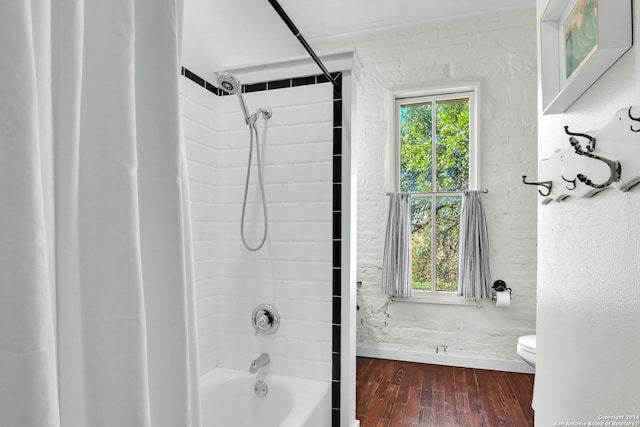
(363, 396)
(472, 392)
(412, 414)
(522, 385)
(403, 383)
(405, 394)
(462, 404)
(451, 413)
(376, 423)
(398, 415)
(363, 368)
(381, 404)
(426, 400)
(516, 415)
(427, 417)
(488, 397)
(415, 374)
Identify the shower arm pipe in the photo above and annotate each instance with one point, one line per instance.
(280, 11)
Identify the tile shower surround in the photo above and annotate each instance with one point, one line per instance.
(336, 211)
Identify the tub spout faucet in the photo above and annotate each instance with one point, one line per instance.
(262, 360)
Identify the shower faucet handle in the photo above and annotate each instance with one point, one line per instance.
(265, 319)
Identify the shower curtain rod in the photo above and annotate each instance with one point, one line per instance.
(280, 11)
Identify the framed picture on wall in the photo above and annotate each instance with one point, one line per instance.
(579, 41)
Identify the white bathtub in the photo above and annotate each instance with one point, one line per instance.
(229, 400)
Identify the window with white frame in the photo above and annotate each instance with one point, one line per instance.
(435, 152)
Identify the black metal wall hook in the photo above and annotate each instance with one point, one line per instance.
(572, 181)
(591, 145)
(615, 169)
(546, 184)
(635, 119)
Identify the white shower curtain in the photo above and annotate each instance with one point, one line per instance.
(96, 286)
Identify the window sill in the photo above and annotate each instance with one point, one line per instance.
(430, 297)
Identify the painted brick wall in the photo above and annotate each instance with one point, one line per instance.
(497, 52)
(293, 270)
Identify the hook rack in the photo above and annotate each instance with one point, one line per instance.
(587, 173)
(572, 181)
(546, 184)
(635, 119)
(615, 169)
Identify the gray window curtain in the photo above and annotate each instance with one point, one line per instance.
(396, 263)
(474, 274)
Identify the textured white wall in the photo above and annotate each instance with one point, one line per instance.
(293, 270)
(589, 274)
(498, 53)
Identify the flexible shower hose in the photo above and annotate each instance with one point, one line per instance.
(254, 129)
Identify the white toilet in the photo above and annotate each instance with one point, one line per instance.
(527, 349)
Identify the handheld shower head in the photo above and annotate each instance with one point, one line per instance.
(230, 84)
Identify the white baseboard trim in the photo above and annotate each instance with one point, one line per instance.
(445, 359)
(356, 423)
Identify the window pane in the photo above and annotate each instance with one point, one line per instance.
(452, 145)
(447, 233)
(421, 243)
(415, 147)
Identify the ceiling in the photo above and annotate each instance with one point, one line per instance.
(227, 34)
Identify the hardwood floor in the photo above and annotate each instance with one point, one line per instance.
(403, 394)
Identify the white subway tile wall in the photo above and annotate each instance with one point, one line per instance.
(293, 271)
(199, 110)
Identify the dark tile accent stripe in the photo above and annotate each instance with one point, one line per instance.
(335, 340)
(337, 253)
(336, 308)
(337, 113)
(211, 88)
(337, 140)
(257, 87)
(336, 351)
(337, 169)
(279, 84)
(335, 418)
(337, 89)
(337, 313)
(303, 81)
(321, 78)
(335, 365)
(193, 77)
(337, 226)
(335, 389)
(200, 81)
(337, 283)
(337, 197)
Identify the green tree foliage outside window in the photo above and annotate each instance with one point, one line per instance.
(436, 173)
